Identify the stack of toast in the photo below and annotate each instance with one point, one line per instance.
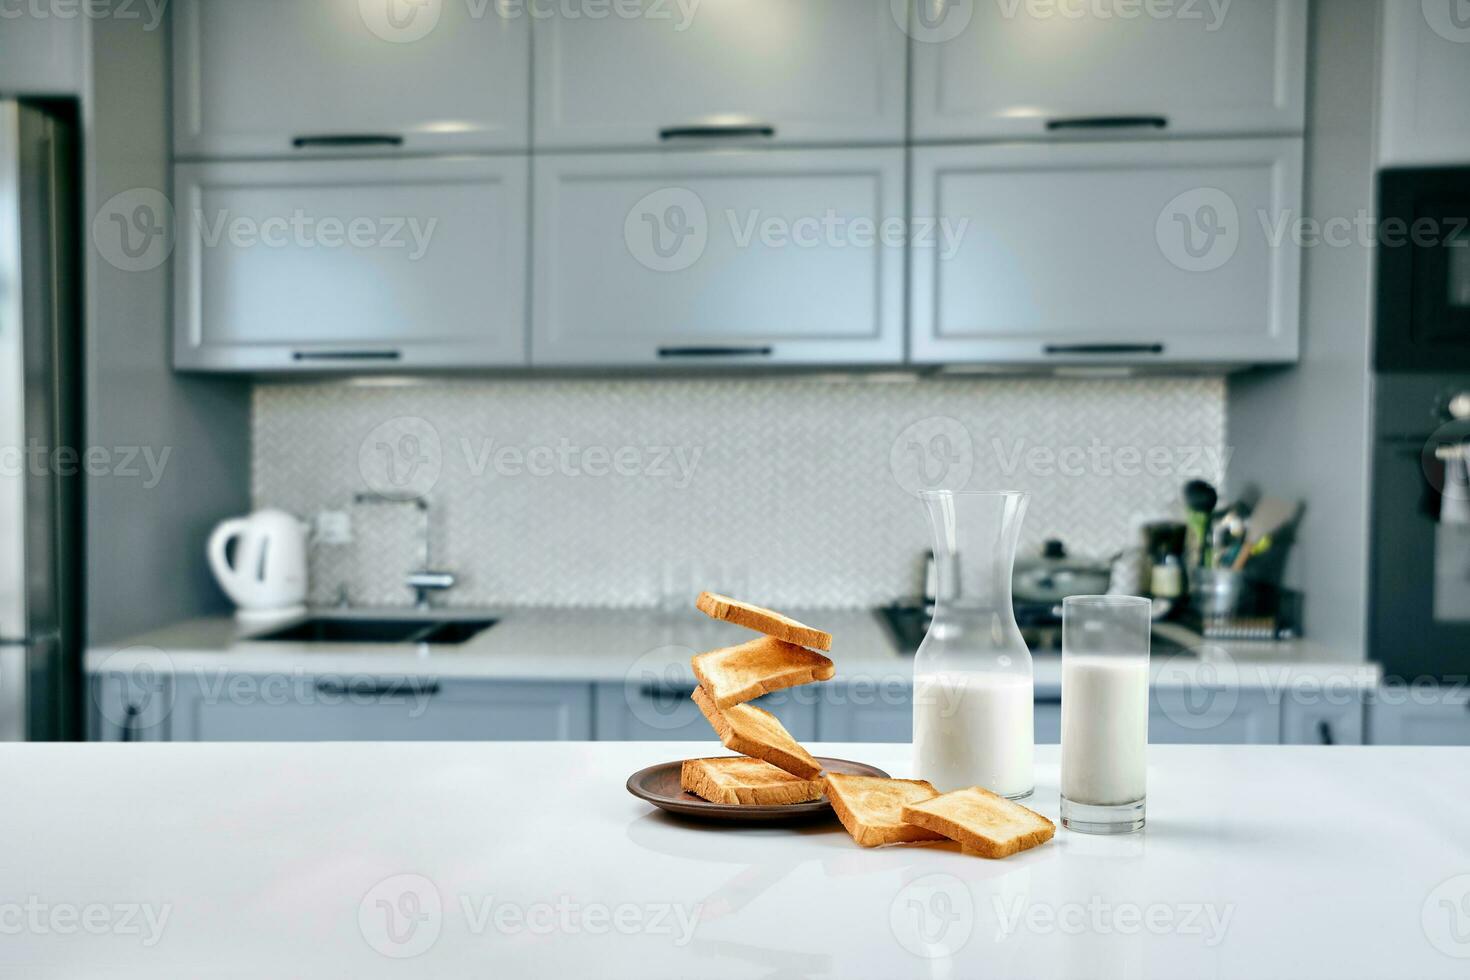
(773, 768)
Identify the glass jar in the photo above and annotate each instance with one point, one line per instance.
(973, 688)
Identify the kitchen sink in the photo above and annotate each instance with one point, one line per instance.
(359, 630)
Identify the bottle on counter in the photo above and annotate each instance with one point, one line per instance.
(973, 687)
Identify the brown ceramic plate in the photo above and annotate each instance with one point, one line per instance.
(660, 785)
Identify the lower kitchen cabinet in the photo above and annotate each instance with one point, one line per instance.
(129, 707)
(662, 711)
(1419, 716)
(1323, 722)
(1222, 715)
(290, 707)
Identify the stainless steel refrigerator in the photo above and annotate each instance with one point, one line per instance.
(41, 451)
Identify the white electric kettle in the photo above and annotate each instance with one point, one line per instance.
(265, 574)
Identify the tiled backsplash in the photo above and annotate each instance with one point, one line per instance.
(636, 492)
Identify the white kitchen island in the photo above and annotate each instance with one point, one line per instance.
(514, 860)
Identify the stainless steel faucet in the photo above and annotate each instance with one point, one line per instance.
(427, 580)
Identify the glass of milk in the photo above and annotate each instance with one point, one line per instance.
(1105, 642)
(972, 674)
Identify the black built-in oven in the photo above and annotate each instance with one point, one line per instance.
(1419, 586)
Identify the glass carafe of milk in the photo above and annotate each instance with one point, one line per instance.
(972, 674)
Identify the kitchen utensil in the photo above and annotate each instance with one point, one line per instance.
(1200, 499)
(1218, 592)
(1054, 575)
(265, 571)
(660, 786)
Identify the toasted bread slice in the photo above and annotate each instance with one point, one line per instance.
(736, 779)
(759, 734)
(734, 675)
(765, 621)
(984, 823)
(871, 807)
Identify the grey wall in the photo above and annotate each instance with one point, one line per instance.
(145, 536)
(1304, 432)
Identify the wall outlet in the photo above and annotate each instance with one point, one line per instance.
(333, 527)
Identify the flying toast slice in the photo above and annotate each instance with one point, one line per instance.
(984, 823)
(871, 807)
(759, 734)
(736, 779)
(765, 621)
(734, 675)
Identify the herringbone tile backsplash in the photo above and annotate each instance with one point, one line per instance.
(795, 492)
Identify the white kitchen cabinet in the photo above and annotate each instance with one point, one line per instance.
(1149, 252)
(1322, 720)
(745, 71)
(1425, 116)
(1213, 714)
(659, 711)
(42, 46)
(350, 263)
(294, 78)
(130, 706)
(1420, 715)
(699, 258)
(1019, 68)
(229, 707)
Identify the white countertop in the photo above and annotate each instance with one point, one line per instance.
(614, 645)
(522, 860)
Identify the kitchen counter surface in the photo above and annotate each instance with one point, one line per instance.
(617, 645)
(510, 860)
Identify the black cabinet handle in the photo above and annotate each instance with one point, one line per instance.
(1324, 733)
(740, 131)
(346, 355)
(347, 140)
(381, 689)
(1103, 349)
(666, 692)
(130, 724)
(1108, 122)
(691, 352)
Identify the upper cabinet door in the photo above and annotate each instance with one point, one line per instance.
(986, 69)
(297, 77)
(1426, 81)
(1170, 251)
(715, 259)
(745, 71)
(360, 264)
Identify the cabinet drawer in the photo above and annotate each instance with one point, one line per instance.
(1426, 73)
(1100, 252)
(358, 264)
(747, 71)
(279, 708)
(297, 77)
(662, 712)
(1021, 68)
(746, 258)
(1402, 715)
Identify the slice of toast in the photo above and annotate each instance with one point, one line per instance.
(759, 734)
(765, 621)
(984, 823)
(734, 675)
(736, 779)
(871, 808)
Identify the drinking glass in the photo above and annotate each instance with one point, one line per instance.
(1105, 644)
